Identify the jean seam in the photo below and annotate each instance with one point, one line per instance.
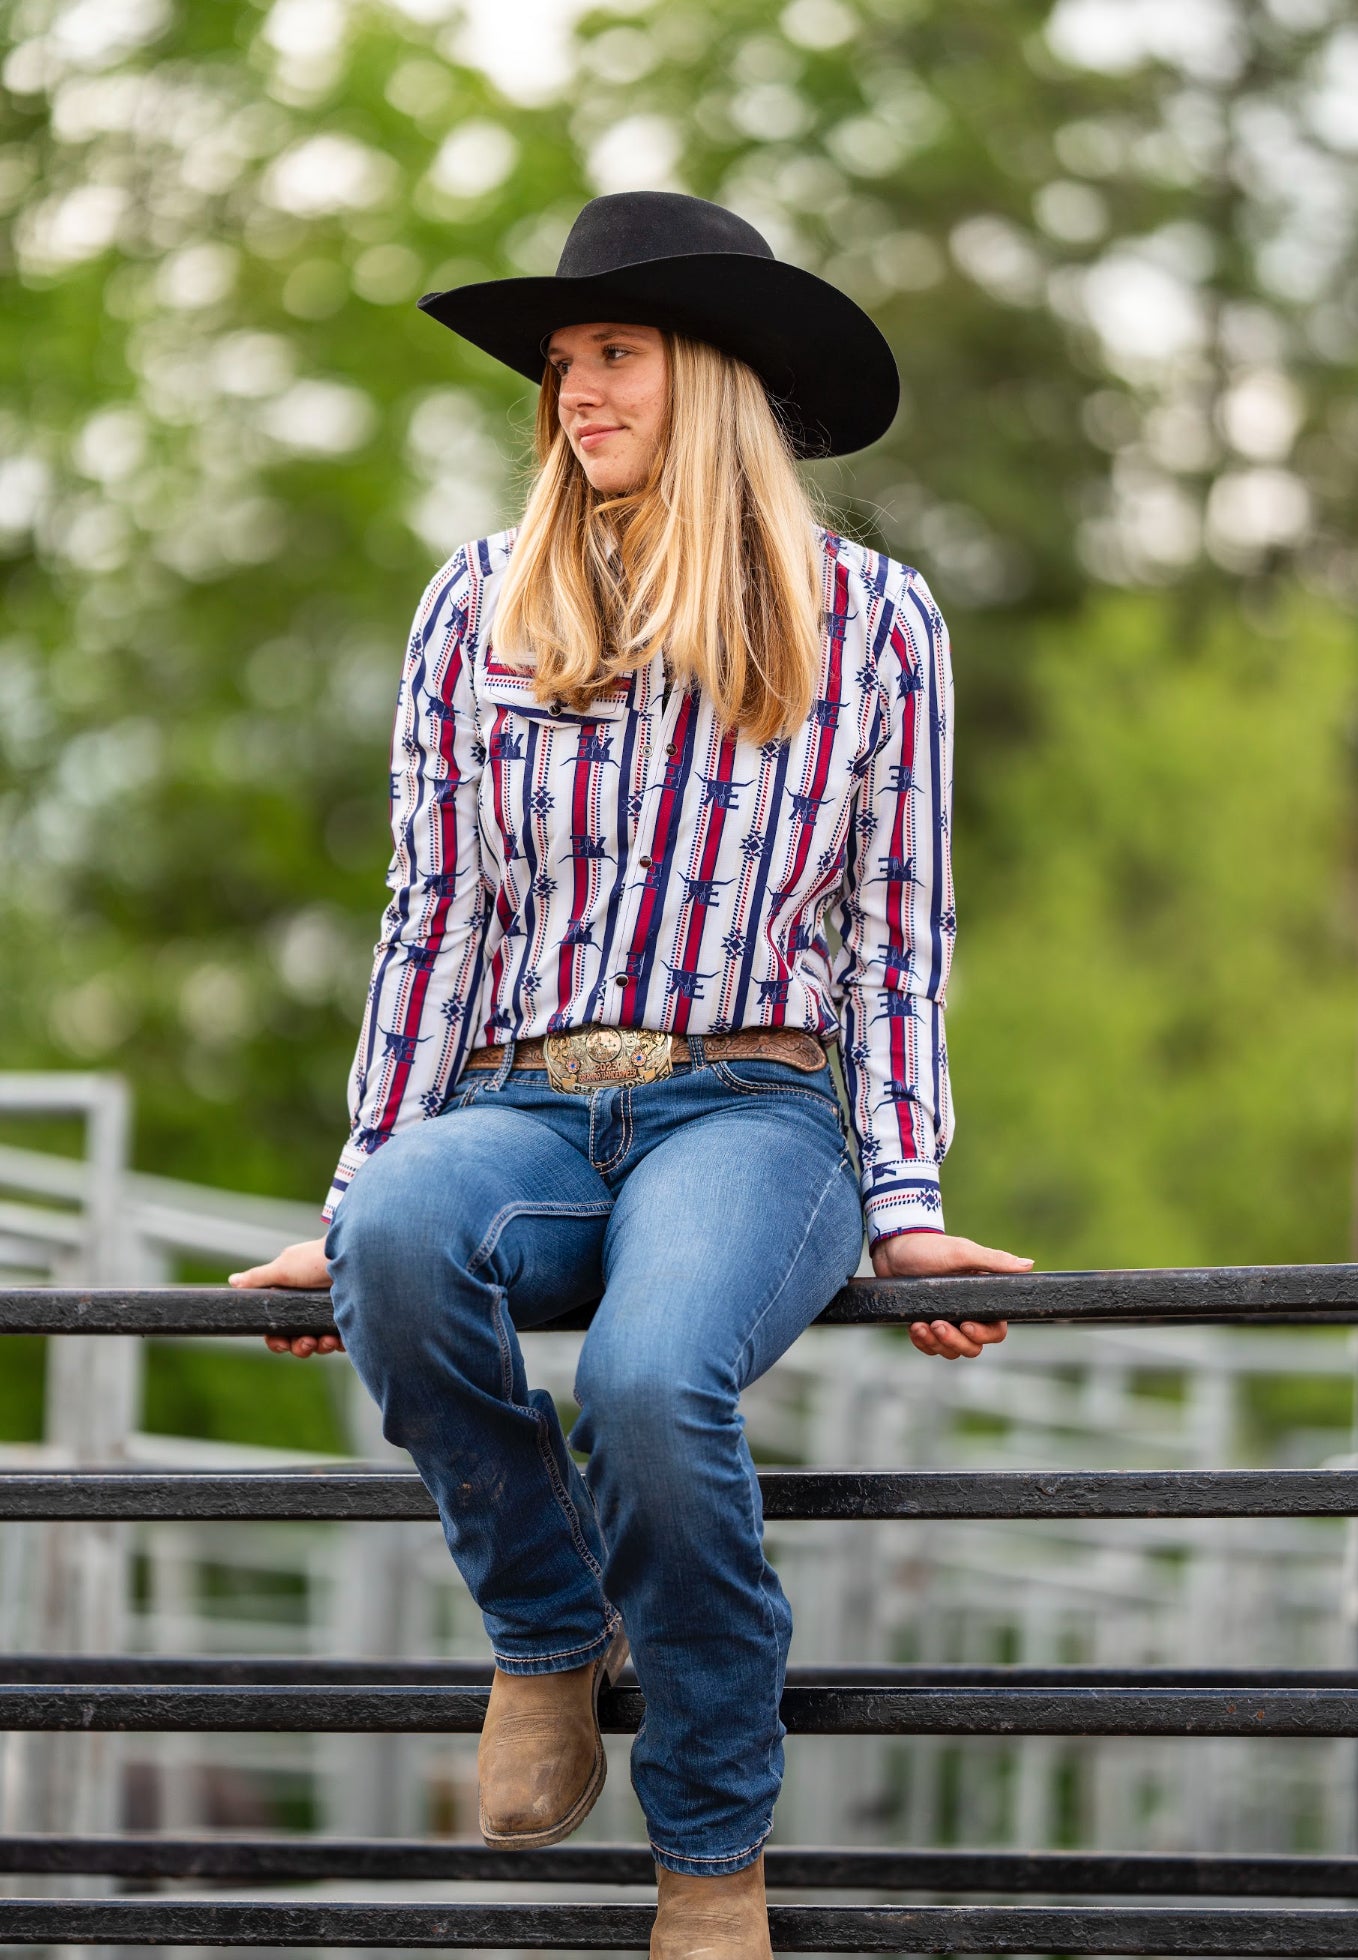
(563, 1496)
(596, 1208)
(771, 1628)
(506, 1352)
(539, 1421)
(769, 1304)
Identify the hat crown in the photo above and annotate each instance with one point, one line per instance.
(629, 227)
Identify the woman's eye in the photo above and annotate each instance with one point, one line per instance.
(561, 366)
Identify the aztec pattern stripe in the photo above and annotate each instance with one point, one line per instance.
(639, 966)
(622, 828)
(700, 881)
(635, 864)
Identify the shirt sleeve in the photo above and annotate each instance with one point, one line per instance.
(896, 920)
(428, 960)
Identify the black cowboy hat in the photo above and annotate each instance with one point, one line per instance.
(664, 259)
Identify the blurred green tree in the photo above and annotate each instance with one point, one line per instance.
(1114, 252)
(1153, 1018)
(1112, 245)
(234, 451)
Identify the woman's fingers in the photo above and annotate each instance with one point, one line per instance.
(964, 1343)
(942, 1338)
(301, 1265)
(304, 1344)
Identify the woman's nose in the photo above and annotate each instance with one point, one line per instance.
(579, 392)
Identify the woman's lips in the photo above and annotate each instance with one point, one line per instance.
(598, 435)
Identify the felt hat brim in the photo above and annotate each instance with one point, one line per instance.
(827, 367)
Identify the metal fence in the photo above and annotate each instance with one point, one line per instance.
(1020, 1585)
(964, 1702)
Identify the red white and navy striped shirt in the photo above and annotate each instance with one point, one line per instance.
(633, 865)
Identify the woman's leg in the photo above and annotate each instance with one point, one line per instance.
(456, 1230)
(726, 1240)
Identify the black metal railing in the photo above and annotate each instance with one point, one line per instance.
(182, 1693)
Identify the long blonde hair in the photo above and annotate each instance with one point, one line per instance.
(717, 557)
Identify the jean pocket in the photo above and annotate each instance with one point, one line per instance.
(476, 1084)
(761, 1077)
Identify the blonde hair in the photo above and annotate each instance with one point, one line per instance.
(717, 557)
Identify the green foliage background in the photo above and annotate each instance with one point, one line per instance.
(1120, 281)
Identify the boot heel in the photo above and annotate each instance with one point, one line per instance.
(615, 1659)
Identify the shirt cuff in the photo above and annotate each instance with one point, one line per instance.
(902, 1197)
(352, 1159)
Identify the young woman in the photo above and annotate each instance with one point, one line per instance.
(648, 743)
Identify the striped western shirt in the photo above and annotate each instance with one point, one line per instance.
(635, 865)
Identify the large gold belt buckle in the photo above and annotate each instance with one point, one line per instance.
(593, 1058)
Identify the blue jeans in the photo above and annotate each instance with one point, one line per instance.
(710, 1217)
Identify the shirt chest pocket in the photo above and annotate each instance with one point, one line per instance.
(510, 691)
(535, 752)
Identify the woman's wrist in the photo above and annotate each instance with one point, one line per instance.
(900, 1232)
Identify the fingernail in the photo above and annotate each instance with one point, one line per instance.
(233, 1277)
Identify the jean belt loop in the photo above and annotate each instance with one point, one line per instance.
(497, 1080)
(696, 1057)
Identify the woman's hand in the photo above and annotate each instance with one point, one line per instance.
(303, 1264)
(931, 1255)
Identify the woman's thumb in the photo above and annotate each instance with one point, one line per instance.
(995, 1260)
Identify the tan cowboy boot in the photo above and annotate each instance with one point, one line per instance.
(541, 1758)
(711, 1918)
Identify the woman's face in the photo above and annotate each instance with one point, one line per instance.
(613, 391)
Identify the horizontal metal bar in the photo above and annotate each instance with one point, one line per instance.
(1221, 1930)
(357, 1495)
(1274, 1295)
(297, 1860)
(42, 1224)
(317, 1671)
(839, 1710)
(31, 1090)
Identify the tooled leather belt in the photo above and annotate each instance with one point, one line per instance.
(595, 1056)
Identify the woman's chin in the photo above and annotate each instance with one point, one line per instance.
(614, 482)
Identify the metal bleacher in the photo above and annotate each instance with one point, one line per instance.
(1113, 1902)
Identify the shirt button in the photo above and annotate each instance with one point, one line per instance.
(620, 979)
(554, 707)
(643, 860)
(670, 749)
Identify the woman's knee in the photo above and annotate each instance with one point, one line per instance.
(408, 1215)
(642, 1399)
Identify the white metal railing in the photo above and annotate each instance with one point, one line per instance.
(1126, 1593)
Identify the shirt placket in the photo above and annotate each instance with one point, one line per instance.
(659, 715)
